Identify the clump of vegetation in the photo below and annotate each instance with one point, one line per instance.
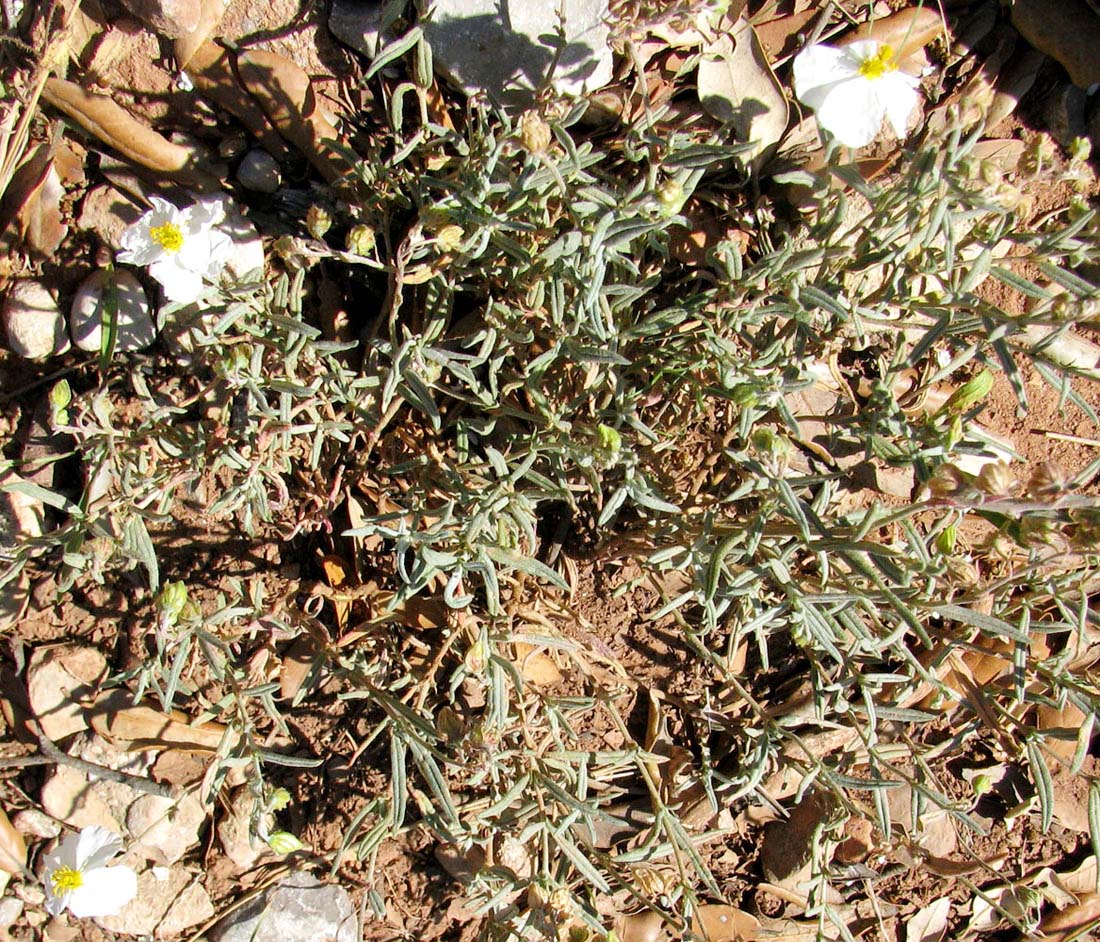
(526, 381)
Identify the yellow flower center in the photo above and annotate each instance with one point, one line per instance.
(167, 236)
(65, 880)
(879, 64)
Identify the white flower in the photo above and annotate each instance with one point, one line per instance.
(77, 875)
(180, 246)
(853, 88)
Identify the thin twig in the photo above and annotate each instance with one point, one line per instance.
(51, 753)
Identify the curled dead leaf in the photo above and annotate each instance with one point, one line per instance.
(122, 132)
(1073, 922)
(640, 927)
(287, 97)
(152, 729)
(929, 924)
(212, 73)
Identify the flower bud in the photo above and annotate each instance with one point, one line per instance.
(534, 132)
(283, 842)
(61, 395)
(172, 601)
(670, 195)
(996, 480)
(1046, 480)
(361, 240)
(450, 237)
(278, 799)
(318, 221)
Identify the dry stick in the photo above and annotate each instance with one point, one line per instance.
(52, 754)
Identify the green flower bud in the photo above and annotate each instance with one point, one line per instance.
(172, 601)
(283, 842)
(361, 240)
(278, 799)
(60, 398)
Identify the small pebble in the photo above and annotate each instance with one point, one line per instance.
(33, 323)
(259, 171)
(135, 329)
(33, 822)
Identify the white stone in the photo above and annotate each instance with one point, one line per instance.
(34, 823)
(10, 910)
(33, 324)
(163, 830)
(21, 517)
(300, 908)
(492, 47)
(234, 833)
(135, 329)
(59, 677)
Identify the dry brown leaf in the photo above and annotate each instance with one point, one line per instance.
(152, 729)
(736, 84)
(296, 664)
(1073, 922)
(908, 31)
(1085, 879)
(285, 94)
(13, 850)
(535, 667)
(122, 132)
(720, 923)
(929, 924)
(337, 573)
(1069, 720)
(640, 927)
(211, 70)
(210, 15)
(779, 35)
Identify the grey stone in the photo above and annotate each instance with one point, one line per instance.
(259, 171)
(358, 24)
(135, 329)
(33, 323)
(1065, 114)
(497, 47)
(300, 908)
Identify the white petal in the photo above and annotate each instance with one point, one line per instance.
(64, 854)
(210, 210)
(105, 891)
(138, 248)
(862, 50)
(55, 905)
(95, 846)
(898, 97)
(819, 65)
(852, 113)
(221, 248)
(179, 283)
